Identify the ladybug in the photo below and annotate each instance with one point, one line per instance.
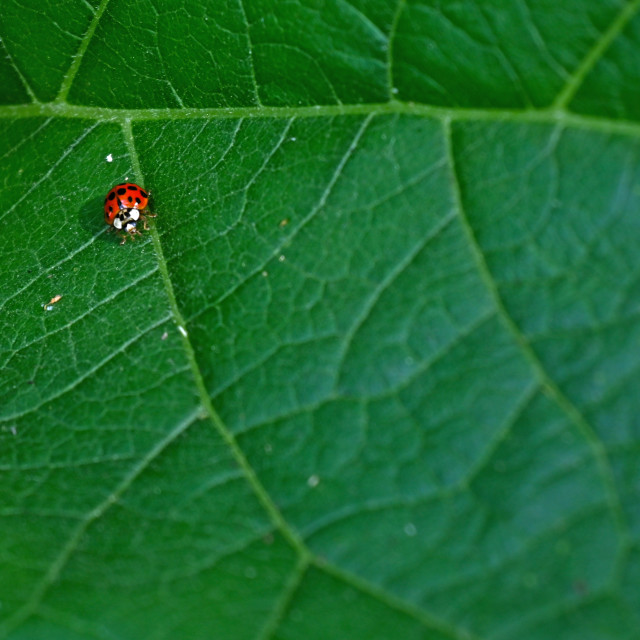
(123, 206)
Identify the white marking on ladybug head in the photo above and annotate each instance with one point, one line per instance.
(117, 223)
(131, 227)
(134, 213)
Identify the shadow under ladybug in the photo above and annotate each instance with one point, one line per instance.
(88, 219)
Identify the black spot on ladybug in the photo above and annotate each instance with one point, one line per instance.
(112, 195)
(130, 199)
(110, 209)
(132, 187)
(144, 194)
(121, 192)
(138, 201)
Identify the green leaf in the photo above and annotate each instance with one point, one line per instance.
(372, 372)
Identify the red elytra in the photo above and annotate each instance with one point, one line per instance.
(122, 198)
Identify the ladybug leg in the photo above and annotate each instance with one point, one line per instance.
(129, 231)
(130, 234)
(144, 220)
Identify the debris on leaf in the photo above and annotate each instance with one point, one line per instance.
(49, 305)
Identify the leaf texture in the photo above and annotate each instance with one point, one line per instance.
(372, 372)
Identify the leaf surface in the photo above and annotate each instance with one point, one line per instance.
(372, 372)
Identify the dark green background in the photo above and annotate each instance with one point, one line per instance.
(402, 238)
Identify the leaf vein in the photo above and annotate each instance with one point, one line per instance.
(393, 32)
(89, 372)
(254, 80)
(23, 80)
(53, 167)
(577, 78)
(566, 406)
(77, 319)
(97, 512)
(384, 284)
(312, 213)
(228, 438)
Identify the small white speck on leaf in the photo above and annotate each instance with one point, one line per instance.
(182, 330)
(109, 158)
(394, 90)
(164, 336)
(265, 274)
(282, 258)
(313, 481)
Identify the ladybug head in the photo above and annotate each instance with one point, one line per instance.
(127, 220)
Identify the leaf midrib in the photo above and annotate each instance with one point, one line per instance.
(550, 117)
(205, 398)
